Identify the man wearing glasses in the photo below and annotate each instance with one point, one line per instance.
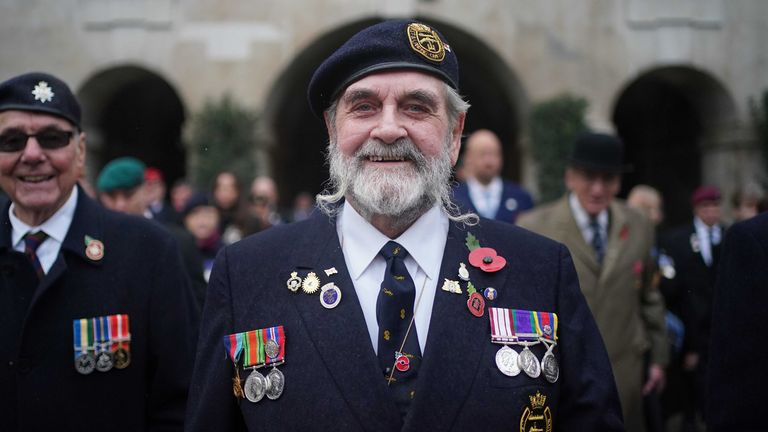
(93, 329)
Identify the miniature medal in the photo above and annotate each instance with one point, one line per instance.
(275, 383)
(294, 282)
(122, 358)
(311, 283)
(255, 386)
(104, 358)
(104, 361)
(550, 367)
(120, 326)
(529, 363)
(85, 363)
(330, 295)
(507, 361)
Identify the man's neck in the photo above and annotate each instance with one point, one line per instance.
(35, 218)
(484, 181)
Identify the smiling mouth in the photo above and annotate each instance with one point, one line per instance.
(35, 179)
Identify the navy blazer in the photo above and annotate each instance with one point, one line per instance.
(738, 377)
(332, 376)
(514, 200)
(140, 275)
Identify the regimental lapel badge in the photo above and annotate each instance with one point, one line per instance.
(311, 283)
(330, 271)
(537, 416)
(94, 249)
(259, 348)
(451, 286)
(463, 272)
(294, 282)
(101, 343)
(330, 295)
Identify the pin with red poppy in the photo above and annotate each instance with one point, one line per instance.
(402, 362)
(94, 249)
(476, 302)
(484, 258)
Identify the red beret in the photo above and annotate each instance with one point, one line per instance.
(153, 174)
(705, 193)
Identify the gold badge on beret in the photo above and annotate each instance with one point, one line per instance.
(425, 41)
(538, 416)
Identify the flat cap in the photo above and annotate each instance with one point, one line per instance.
(40, 92)
(705, 193)
(389, 45)
(121, 173)
(598, 152)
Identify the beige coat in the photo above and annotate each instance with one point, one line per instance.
(629, 313)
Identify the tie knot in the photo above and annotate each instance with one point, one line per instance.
(393, 249)
(33, 240)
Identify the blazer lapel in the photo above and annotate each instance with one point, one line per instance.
(455, 342)
(570, 233)
(616, 244)
(340, 335)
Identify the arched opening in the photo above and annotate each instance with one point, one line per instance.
(668, 118)
(298, 139)
(130, 111)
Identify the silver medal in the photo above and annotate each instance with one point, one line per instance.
(529, 363)
(255, 386)
(104, 361)
(272, 348)
(275, 383)
(549, 367)
(85, 363)
(507, 361)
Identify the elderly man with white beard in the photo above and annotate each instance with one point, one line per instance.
(388, 309)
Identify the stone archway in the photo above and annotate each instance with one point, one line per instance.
(131, 111)
(669, 118)
(298, 139)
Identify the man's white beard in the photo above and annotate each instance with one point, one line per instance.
(403, 193)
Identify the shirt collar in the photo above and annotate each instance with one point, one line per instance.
(494, 185)
(701, 227)
(582, 218)
(55, 226)
(363, 241)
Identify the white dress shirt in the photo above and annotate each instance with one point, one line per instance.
(486, 198)
(56, 227)
(702, 232)
(425, 243)
(584, 222)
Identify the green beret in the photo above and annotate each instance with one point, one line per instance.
(121, 173)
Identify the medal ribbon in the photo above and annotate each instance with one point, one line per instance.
(501, 330)
(97, 329)
(523, 322)
(547, 319)
(123, 333)
(83, 335)
(276, 334)
(234, 346)
(253, 349)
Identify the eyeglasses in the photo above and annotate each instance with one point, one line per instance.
(14, 141)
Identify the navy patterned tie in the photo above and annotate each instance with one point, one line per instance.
(597, 241)
(31, 243)
(394, 313)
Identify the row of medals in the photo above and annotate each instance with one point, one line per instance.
(511, 363)
(87, 362)
(272, 385)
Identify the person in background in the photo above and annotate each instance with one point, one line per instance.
(611, 246)
(123, 188)
(201, 218)
(97, 320)
(228, 200)
(303, 205)
(154, 184)
(264, 202)
(181, 191)
(746, 202)
(484, 191)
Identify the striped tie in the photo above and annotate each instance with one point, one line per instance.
(31, 243)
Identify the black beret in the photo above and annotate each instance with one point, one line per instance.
(398, 44)
(598, 152)
(40, 92)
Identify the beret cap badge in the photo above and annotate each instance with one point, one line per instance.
(43, 92)
(425, 41)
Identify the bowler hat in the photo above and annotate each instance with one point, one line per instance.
(389, 45)
(598, 152)
(121, 173)
(40, 92)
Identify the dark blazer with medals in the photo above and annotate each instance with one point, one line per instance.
(333, 380)
(514, 200)
(141, 275)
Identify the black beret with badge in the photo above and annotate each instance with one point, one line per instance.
(389, 45)
(40, 92)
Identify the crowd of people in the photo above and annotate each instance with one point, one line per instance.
(141, 306)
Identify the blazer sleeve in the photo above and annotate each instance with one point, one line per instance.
(212, 405)
(589, 400)
(172, 343)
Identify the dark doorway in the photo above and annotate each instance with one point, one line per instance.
(298, 138)
(666, 118)
(130, 111)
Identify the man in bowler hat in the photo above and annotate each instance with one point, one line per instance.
(611, 247)
(97, 324)
(372, 311)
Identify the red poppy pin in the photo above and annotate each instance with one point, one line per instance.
(484, 258)
(637, 268)
(624, 233)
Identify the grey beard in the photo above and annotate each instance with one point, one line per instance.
(401, 195)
